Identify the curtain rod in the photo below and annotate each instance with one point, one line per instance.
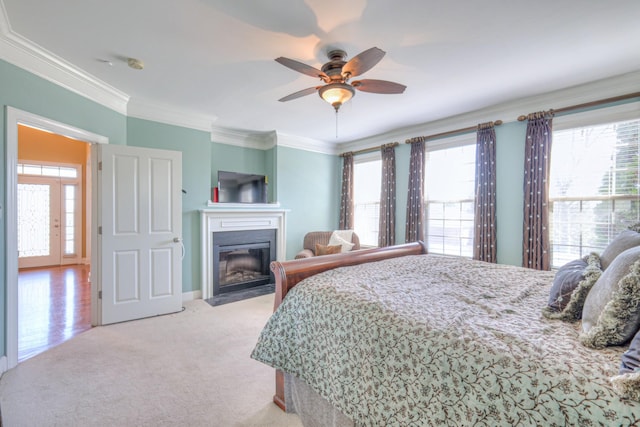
(453, 132)
(590, 104)
(371, 149)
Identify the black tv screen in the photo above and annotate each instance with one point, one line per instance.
(235, 187)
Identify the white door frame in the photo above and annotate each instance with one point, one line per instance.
(14, 118)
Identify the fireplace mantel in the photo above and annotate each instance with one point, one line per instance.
(237, 217)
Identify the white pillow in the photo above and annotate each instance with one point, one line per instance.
(335, 240)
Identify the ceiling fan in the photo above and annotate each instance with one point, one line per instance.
(336, 74)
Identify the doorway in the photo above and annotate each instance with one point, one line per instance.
(14, 118)
(54, 292)
(153, 257)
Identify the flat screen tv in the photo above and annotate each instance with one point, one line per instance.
(235, 187)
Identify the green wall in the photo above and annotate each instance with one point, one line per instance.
(196, 168)
(307, 187)
(27, 92)
(510, 139)
(233, 158)
(403, 154)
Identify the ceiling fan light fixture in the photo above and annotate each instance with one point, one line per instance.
(336, 94)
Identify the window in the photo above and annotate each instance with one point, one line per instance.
(593, 190)
(70, 211)
(47, 170)
(367, 175)
(35, 207)
(449, 194)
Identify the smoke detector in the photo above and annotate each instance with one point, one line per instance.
(134, 63)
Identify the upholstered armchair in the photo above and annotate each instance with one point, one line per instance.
(321, 238)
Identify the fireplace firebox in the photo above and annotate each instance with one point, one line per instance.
(241, 259)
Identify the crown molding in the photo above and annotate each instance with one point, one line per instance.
(620, 112)
(307, 144)
(5, 27)
(23, 53)
(244, 138)
(269, 139)
(148, 111)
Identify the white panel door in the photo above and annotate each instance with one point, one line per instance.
(139, 232)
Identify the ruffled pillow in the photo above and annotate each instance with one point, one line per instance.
(627, 383)
(570, 288)
(611, 314)
(565, 282)
(627, 239)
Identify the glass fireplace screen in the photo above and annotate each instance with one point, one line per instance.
(243, 265)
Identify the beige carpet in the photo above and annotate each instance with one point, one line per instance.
(186, 369)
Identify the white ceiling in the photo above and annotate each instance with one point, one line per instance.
(215, 58)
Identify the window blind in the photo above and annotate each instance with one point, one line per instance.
(367, 176)
(450, 192)
(593, 187)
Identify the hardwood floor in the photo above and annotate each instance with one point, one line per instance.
(54, 304)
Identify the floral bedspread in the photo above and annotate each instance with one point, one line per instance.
(434, 340)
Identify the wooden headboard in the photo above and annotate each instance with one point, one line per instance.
(289, 273)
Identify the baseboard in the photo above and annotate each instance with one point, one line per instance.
(190, 296)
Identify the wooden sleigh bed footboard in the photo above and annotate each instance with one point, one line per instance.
(289, 273)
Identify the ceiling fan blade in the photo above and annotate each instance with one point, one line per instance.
(303, 68)
(300, 93)
(362, 62)
(378, 86)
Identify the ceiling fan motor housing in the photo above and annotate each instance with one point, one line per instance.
(333, 68)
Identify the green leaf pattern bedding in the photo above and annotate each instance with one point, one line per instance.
(435, 340)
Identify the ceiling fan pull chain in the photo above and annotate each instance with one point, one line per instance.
(336, 124)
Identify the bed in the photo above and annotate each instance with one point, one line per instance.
(398, 337)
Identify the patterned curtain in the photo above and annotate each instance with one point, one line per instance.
(484, 242)
(387, 223)
(414, 229)
(346, 202)
(535, 240)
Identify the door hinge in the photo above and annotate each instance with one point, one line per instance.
(100, 230)
(99, 294)
(99, 166)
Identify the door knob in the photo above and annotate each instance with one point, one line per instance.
(179, 240)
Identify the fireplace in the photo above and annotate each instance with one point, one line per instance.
(222, 221)
(241, 259)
